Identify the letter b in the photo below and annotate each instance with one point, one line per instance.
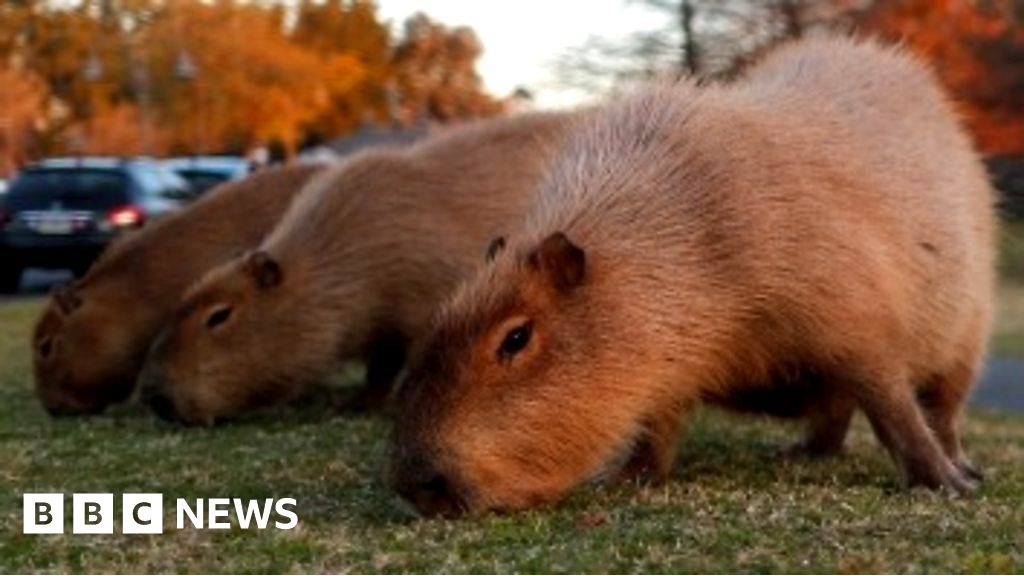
(43, 513)
(92, 514)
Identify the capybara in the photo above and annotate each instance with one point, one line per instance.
(819, 232)
(91, 340)
(352, 272)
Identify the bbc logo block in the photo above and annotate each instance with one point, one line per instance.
(142, 514)
(93, 514)
(44, 514)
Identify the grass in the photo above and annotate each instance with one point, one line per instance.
(1009, 332)
(733, 503)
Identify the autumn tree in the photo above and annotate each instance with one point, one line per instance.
(22, 111)
(435, 73)
(227, 75)
(351, 28)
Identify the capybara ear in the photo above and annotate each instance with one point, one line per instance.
(264, 269)
(495, 247)
(563, 262)
(66, 298)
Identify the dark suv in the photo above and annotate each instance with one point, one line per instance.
(62, 213)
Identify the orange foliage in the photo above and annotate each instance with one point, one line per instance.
(22, 109)
(121, 130)
(250, 83)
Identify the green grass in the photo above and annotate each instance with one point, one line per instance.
(1008, 339)
(733, 503)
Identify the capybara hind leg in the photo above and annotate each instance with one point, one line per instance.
(828, 423)
(886, 399)
(655, 451)
(387, 358)
(942, 399)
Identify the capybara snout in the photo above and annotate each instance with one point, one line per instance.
(66, 383)
(418, 477)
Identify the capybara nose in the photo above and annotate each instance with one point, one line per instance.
(162, 406)
(153, 395)
(429, 490)
(64, 404)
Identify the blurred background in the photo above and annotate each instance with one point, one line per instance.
(115, 112)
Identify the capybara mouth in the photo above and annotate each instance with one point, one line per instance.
(163, 407)
(435, 497)
(65, 401)
(430, 491)
(152, 386)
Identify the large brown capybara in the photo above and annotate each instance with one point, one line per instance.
(353, 271)
(820, 231)
(91, 340)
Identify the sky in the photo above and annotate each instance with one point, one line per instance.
(519, 46)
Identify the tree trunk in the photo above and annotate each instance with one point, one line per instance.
(691, 53)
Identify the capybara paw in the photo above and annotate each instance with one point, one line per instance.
(952, 479)
(970, 471)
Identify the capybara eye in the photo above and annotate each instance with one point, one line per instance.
(514, 342)
(45, 347)
(219, 316)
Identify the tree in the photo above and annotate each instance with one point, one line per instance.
(22, 111)
(227, 74)
(435, 73)
(352, 28)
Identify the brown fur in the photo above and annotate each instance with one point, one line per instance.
(90, 342)
(812, 239)
(353, 271)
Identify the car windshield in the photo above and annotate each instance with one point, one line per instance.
(67, 189)
(203, 180)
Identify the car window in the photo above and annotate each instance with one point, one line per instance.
(204, 180)
(175, 186)
(155, 181)
(69, 189)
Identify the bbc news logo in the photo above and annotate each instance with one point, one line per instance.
(144, 513)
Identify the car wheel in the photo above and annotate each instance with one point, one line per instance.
(10, 280)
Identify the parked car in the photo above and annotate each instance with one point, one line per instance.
(205, 172)
(62, 213)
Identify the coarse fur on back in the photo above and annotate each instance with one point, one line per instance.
(353, 271)
(90, 341)
(809, 240)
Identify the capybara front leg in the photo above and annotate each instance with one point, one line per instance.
(942, 399)
(655, 451)
(890, 406)
(387, 358)
(828, 422)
